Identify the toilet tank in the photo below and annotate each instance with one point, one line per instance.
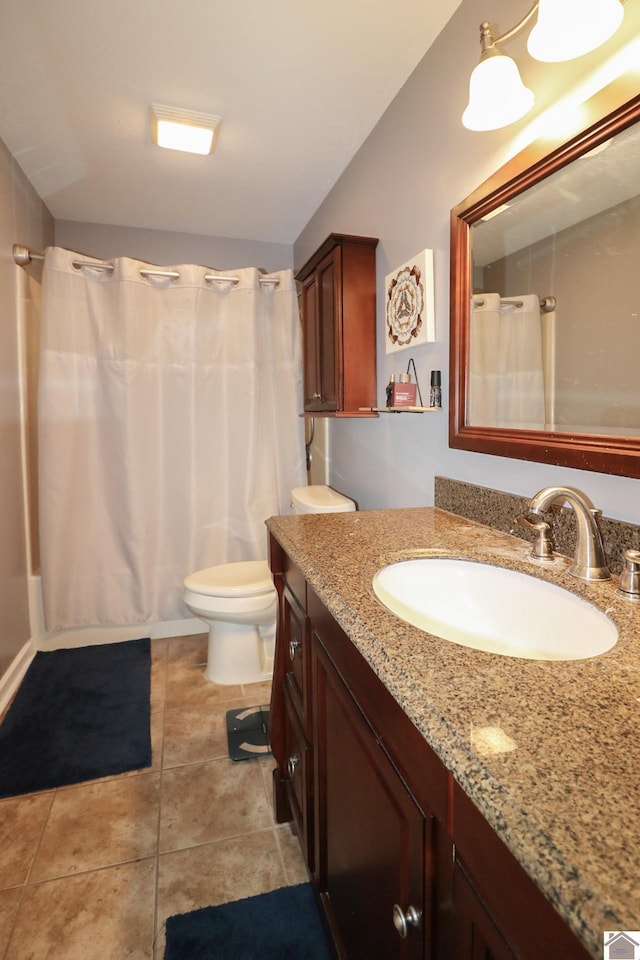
(319, 498)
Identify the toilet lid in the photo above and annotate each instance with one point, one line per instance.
(245, 579)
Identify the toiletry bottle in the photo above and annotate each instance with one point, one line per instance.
(435, 394)
(392, 380)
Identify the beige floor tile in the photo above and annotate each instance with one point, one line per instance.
(267, 766)
(191, 649)
(159, 647)
(193, 734)
(210, 801)
(9, 902)
(156, 728)
(89, 851)
(216, 873)
(188, 686)
(21, 822)
(99, 824)
(158, 674)
(294, 865)
(256, 693)
(102, 915)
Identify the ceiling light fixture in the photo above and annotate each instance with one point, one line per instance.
(184, 129)
(565, 29)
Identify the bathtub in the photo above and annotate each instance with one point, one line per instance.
(86, 636)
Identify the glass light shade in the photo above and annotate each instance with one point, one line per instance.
(567, 29)
(497, 95)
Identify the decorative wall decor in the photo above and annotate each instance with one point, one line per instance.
(409, 303)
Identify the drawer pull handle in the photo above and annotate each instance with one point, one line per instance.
(402, 921)
(291, 766)
(293, 646)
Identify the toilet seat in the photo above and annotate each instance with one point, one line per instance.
(244, 579)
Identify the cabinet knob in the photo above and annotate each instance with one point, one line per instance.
(402, 921)
(293, 646)
(291, 766)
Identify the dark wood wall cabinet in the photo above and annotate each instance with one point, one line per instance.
(338, 308)
(403, 864)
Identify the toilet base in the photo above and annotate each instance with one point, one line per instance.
(240, 653)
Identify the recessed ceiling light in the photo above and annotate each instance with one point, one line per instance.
(184, 129)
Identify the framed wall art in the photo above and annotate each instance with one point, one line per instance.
(409, 304)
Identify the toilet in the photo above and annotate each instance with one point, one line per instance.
(239, 603)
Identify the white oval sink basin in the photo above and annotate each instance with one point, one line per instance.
(489, 608)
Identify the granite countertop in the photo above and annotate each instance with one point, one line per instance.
(548, 751)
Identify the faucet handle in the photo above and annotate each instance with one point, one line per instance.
(543, 545)
(629, 585)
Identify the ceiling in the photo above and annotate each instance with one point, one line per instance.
(299, 86)
(600, 180)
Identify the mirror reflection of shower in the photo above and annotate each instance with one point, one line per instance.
(316, 441)
(309, 434)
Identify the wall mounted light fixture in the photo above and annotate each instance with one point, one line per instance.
(184, 130)
(564, 30)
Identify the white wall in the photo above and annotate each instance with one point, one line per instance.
(167, 248)
(416, 165)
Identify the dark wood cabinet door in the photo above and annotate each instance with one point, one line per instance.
(329, 284)
(476, 937)
(371, 869)
(338, 307)
(310, 344)
(320, 335)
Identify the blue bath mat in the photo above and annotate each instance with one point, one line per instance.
(282, 925)
(78, 715)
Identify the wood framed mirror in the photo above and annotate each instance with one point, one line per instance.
(557, 229)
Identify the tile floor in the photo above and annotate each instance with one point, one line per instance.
(93, 870)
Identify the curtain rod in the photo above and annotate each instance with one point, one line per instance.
(23, 256)
(547, 304)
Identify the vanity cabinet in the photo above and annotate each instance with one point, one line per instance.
(498, 911)
(404, 865)
(475, 934)
(372, 836)
(338, 310)
(290, 703)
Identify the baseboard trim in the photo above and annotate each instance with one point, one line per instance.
(12, 678)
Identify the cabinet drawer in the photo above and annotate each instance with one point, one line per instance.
(299, 784)
(295, 581)
(295, 652)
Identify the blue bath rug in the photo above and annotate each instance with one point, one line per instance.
(282, 925)
(78, 715)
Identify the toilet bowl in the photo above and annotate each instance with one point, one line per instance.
(239, 603)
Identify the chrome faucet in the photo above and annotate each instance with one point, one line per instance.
(589, 561)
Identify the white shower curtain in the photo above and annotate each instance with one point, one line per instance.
(168, 432)
(506, 380)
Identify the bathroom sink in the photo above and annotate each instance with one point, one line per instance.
(493, 609)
